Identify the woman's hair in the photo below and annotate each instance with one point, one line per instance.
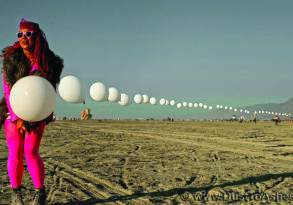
(41, 48)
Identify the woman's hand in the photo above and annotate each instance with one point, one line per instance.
(20, 126)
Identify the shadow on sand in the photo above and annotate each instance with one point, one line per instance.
(175, 191)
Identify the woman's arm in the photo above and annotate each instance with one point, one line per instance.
(6, 90)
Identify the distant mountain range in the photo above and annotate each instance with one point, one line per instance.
(286, 107)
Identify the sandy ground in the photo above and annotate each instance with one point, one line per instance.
(156, 162)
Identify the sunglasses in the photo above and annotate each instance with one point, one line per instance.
(28, 34)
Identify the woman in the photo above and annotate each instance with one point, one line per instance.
(30, 55)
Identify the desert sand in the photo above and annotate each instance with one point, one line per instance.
(159, 162)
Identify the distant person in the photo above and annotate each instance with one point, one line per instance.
(254, 117)
(30, 55)
(241, 119)
(277, 119)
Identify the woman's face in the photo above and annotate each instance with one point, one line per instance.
(26, 39)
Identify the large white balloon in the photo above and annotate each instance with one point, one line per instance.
(146, 98)
(124, 99)
(205, 106)
(195, 105)
(167, 102)
(98, 92)
(184, 104)
(32, 98)
(138, 99)
(200, 104)
(114, 95)
(179, 105)
(210, 107)
(218, 106)
(71, 89)
(190, 105)
(172, 102)
(162, 101)
(153, 100)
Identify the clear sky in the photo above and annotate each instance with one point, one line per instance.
(229, 51)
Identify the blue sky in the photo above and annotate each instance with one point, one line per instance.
(229, 51)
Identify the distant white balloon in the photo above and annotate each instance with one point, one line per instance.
(241, 110)
(210, 107)
(218, 106)
(226, 107)
(179, 105)
(205, 106)
(162, 101)
(138, 99)
(221, 106)
(146, 98)
(98, 92)
(124, 99)
(32, 98)
(114, 95)
(167, 102)
(184, 104)
(190, 105)
(200, 104)
(71, 89)
(153, 100)
(195, 105)
(230, 108)
(235, 110)
(172, 102)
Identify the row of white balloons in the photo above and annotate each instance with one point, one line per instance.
(72, 90)
(33, 98)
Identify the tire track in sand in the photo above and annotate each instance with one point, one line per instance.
(87, 183)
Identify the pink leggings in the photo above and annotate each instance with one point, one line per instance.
(29, 145)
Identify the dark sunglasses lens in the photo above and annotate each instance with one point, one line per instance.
(19, 34)
(29, 34)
